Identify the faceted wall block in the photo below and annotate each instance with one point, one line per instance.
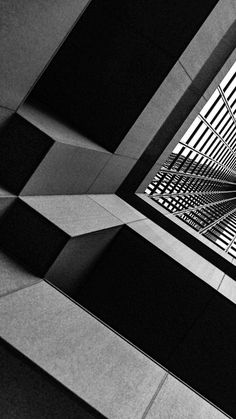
(78, 258)
(73, 214)
(133, 289)
(22, 148)
(80, 352)
(13, 276)
(29, 392)
(66, 169)
(118, 207)
(112, 175)
(36, 229)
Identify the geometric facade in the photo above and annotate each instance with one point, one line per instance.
(112, 305)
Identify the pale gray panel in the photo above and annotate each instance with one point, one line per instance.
(78, 258)
(177, 250)
(79, 351)
(207, 39)
(112, 176)
(13, 277)
(74, 214)
(175, 401)
(155, 113)
(118, 207)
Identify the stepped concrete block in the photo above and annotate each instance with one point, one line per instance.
(36, 230)
(66, 169)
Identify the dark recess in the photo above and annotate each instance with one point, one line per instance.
(114, 60)
(22, 148)
(30, 238)
(206, 359)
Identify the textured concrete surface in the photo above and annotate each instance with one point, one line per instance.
(66, 169)
(79, 351)
(44, 119)
(74, 214)
(13, 277)
(207, 39)
(112, 175)
(118, 207)
(179, 251)
(30, 33)
(177, 401)
(155, 113)
(228, 288)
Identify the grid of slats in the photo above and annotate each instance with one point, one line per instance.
(197, 183)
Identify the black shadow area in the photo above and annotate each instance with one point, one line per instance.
(30, 238)
(206, 359)
(143, 294)
(22, 148)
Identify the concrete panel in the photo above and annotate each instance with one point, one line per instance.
(170, 145)
(228, 288)
(78, 258)
(118, 207)
(79, 351)
(74, 214)
(144, 295)
(175, 401)
(191, 260)
(113, 174)
(66, 170)
(155, 113)
(48, 122)
(220, 75)
(207, 40)
(31, 30)
(13, 277)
